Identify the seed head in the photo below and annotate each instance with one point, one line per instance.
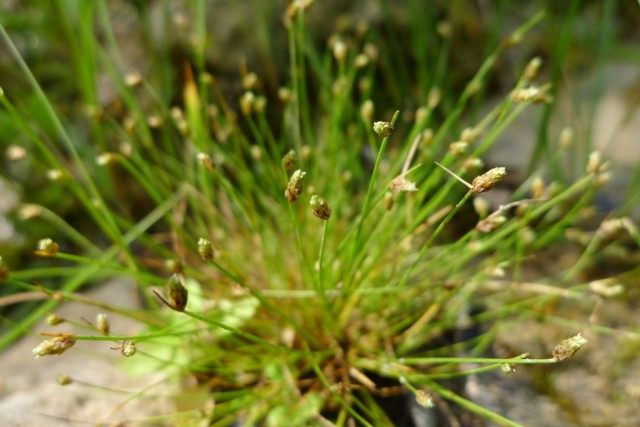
(64, 379)
(532, 69)
(434, 97)
(490, 223)
(507, 368)
(606, 288)
(15, 152)
(537, 187)
(296, 7)
(177, 293)
(402, 184)
(132, 79)
(361, 61)
(469, 134)
(47, 247)
(54, 319)
(367, 110)
(102, 323)
(56, 345)
(458, 147)
(382, 129)
(339, 50)
(154, 121)
(566, 138)
(289, 162)
(388, 200)
(424, 400)
(205, 249)
(256, 152)
(294, 186)
(173, 266)
(481, 206)
(250, 81)
(247, 102)
(106, 158)
(487, 180)
(54, 174)
(567, 348)
(596, 165)
(206, 161)
(320, 207)
(261, 104)
(284, 94)
(128, 348)
(531, 94)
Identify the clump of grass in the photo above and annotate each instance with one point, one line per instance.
(299, 275)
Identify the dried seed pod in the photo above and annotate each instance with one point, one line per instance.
(289, 162)
(382, 129)
(487, 180)
(567, 348)
(47, 247)
(294, 186)
(320, 207)
(56, 345)
(205, 249)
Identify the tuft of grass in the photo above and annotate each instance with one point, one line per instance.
(302, 256)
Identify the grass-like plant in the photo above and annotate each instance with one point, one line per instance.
(300, 255)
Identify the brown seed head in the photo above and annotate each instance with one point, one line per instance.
(56, 345)
(128, 348)
(294, 186)
(102, 323)
(567, 348)
(177, 293)
(47, 247)
(205, 249)
(289, 162)
(320, 207)
(487, 180)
